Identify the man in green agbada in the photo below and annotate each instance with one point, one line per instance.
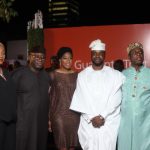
(134, 132)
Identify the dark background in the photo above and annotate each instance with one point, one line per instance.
(92, 12)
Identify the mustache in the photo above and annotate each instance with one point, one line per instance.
(98, 64)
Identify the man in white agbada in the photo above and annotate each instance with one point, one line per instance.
(97, 97)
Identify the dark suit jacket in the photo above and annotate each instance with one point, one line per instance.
(7, 98)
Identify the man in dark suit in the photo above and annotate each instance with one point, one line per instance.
(32, 83)
(7, 107)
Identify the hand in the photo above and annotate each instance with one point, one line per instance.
(98, 121)
(49, 126)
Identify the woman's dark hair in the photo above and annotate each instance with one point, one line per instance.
(63, 50)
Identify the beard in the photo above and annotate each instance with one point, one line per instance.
(98, 63)
(137, 63)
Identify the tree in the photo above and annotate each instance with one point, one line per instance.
(6, 10)
(35, 37)
(35, 33)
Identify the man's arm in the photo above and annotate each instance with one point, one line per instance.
(113, 104)
(115, 97)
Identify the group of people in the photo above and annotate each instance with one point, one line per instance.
(96, 108)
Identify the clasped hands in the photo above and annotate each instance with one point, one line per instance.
(98, 121)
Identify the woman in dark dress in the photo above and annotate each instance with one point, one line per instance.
(63, 122)
(7, 107)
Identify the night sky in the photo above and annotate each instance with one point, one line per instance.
(92, 12)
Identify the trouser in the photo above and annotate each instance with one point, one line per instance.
(7, 135)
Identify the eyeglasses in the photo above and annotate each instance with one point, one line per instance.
(38, 57)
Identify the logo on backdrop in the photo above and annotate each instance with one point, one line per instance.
(79, 65)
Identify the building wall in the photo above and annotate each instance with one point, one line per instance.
(15, 48)
(116, 37)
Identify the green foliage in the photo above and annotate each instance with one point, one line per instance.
(6, 10)
(35, 37)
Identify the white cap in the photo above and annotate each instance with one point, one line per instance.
(97, 45)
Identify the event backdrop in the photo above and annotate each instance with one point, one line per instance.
(116, 38)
